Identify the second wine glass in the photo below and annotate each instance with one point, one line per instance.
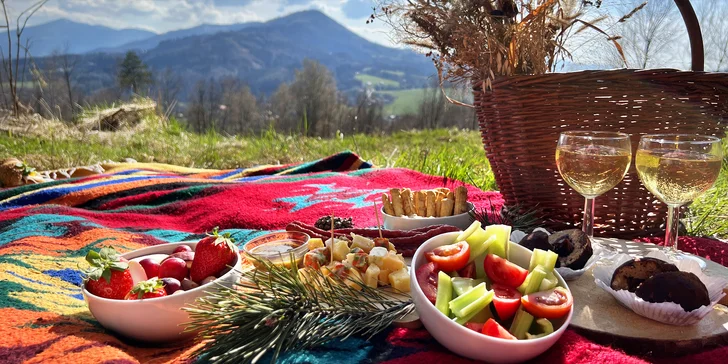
(592, 163)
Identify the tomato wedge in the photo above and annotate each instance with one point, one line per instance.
(494, 329)
(474, 326)
(468, 271)
(427, 279)
(549, 304)
(506, 301)
(502, 271)
(450, 257)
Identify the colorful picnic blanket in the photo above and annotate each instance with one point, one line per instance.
(47, 229)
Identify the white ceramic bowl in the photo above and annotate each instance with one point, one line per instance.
(466, 342)
(158, 319)
(461, 221)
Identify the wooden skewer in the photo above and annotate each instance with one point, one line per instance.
(332, 237)
(376, 213)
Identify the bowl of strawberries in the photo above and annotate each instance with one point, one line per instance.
(140, 294)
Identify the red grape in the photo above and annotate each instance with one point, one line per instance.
(151, 267)
(182, 248)
(171, 285)
(173, 267)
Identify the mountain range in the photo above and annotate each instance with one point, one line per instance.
(262, 54)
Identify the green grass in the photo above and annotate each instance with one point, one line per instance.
(450, 153)
(375, 81)
(405, 101)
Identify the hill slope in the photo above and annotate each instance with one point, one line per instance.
(151, 42)
(266, 54)
(80, 38)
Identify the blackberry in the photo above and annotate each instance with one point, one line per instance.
(324, 223)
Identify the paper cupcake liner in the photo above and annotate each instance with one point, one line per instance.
(666, 312)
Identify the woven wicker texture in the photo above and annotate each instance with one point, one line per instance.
(521, 119)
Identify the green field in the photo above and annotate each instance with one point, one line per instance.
(376, 81)
(395, 73)
(405, 101)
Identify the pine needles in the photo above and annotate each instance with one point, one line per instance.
(518, 217)
(273, 310)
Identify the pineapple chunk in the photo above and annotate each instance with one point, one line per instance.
(341, 249)
(392, 262)
(315, 243)
(359, 241)
(371, 277)
(400, 280)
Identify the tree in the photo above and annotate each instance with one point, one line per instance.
(133, 73)
(10, 65)
(314, 90)
(168, 84)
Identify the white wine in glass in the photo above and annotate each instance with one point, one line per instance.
(592, 163)
(677, 168)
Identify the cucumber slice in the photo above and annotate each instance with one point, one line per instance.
(469, 231)
(444, 293)
(543, 326)
(549, 282)
(475, 306)
(521, 323)
(545, 258)
(500, 246)
(533, 281)
(461, 285)
(478, 250)
(468, 297)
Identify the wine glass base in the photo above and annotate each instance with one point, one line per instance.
(675, 257)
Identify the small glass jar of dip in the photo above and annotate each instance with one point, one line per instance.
(278, 248)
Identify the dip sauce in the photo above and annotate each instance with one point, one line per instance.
(279, 252)
(275, 248)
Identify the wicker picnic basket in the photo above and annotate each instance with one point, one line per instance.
(522, 117)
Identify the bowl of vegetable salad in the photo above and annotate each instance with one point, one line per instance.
(486, 298)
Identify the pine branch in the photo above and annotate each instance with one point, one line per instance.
(518, 217)
(272, 310)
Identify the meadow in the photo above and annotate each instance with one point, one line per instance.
(450, 153)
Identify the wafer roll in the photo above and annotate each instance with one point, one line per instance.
(420, 203)
(430, 203)
(387, 204)
(446, 207)
(397, 202)
(407, 205)
(461, 200)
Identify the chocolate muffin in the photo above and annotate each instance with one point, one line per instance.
(573, 247)
(536, 240)
(633, 272)
(683, 288)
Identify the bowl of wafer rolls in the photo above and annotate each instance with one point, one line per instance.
(404, 209)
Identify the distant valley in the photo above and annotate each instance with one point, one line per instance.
(264, 55)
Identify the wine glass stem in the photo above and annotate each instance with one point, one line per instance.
(671, 229)
(587, 225)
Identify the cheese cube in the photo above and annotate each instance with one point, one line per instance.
(400, 280)
(371, 276)
(315, 243)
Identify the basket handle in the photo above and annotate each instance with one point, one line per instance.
(694, 33)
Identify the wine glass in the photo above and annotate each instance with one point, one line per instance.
(592, 163)
(677, 168)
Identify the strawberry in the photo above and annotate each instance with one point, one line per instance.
(213, 254)
(151, 288)
(108, 276)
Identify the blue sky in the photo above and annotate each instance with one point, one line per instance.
(164, 15)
